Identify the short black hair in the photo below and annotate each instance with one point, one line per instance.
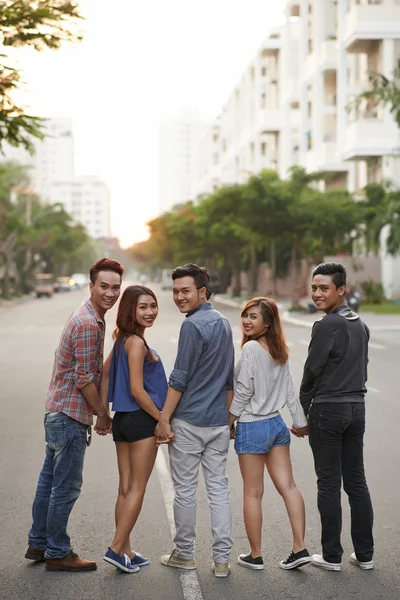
(199, 274)
(336, 270)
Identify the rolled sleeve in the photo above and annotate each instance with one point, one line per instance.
(86, 349)
(190, 347)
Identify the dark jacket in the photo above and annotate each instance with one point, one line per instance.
(336, 366)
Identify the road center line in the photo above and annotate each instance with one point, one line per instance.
(189, 581)
(376, 346)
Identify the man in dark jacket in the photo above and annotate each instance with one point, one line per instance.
(332, 395)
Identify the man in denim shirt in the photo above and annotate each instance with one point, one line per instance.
(199, 393)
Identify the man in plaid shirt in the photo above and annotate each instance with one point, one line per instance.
(72, 399)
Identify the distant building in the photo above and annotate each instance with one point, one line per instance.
(87, 200)
(53, 159)
(179, 140)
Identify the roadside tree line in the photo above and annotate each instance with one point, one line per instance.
(35, 237)
(270, 220)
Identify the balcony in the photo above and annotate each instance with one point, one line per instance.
(270, 120)
(328, 58)
(327, 159)
(370, 137)
(368, 22)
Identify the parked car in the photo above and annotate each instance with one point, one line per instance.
(44, 285)
(79, 280)
(62, 284)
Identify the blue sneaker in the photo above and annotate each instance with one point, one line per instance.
(121, 562)
(140, 560)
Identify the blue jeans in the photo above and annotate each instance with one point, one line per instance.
(59, 484)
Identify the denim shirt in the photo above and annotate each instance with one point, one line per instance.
(203, 369)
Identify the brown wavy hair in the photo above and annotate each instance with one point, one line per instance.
(126, 317)
(275, 336)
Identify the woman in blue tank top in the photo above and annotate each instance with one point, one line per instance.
(137, 387)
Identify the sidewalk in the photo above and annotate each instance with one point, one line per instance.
(374, 322)
(15, 301)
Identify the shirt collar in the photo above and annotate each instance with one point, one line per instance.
(91, 308)
(203, 306)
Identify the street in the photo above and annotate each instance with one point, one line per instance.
(29, 334)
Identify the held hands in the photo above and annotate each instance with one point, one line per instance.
(103, 425)
(299, 432)
(164, 433)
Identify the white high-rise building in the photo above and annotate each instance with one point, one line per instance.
(53, 159)
(87, 200)
(178, 158)
(295, 104)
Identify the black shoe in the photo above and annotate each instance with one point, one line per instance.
(246, 560)
(295, 560)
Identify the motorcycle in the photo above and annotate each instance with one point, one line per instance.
(354, 301)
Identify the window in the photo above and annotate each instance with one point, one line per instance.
(263, 71)
(263, 100)
(263, 149)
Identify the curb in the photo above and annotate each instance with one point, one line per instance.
(15, 301)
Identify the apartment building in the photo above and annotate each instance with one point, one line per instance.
(257, 127)
(179, 139)
(87, 200)
(53, 159)
(294, 105)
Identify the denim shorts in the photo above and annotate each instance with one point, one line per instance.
(258, 437)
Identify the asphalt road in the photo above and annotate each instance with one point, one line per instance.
(29, 334)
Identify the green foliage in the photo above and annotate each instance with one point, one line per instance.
(40, 24)
(373, 292)
(384, 91)
(34, 236)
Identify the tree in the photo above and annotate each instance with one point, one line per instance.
(384, 91)
(41, 24)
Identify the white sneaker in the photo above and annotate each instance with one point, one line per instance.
(366, 565)
(318, 561)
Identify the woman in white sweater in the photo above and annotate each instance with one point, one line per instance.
(263, 385)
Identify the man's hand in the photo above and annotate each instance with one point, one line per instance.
(233, 432)
(103, 425)
(164, 433)
(299, 432)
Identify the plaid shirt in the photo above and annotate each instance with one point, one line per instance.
(78, 361)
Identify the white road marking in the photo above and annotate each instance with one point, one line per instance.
(189, 581)
(376, 346)
(173, 340)
(304, 342)
(372, 389)
(290, 344)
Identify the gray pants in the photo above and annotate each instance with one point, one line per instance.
(208, 446)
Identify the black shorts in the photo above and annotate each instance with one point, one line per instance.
(133, 426)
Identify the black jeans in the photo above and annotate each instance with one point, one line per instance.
(336, 432)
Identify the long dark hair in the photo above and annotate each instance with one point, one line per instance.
(274, 335)
(126, 317)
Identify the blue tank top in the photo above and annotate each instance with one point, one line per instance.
(154, 381)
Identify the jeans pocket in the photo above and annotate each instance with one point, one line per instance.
(56, 431)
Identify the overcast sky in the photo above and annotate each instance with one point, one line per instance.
(140, 62)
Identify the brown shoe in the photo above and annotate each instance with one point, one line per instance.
(32, 554)
(71, 562)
